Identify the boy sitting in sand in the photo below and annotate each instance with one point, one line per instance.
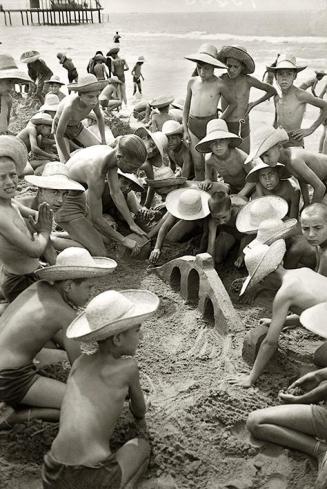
(179, 153)
(110, 98)
(238, 83)
(202, 98)
(96, 391)
(224, 159)
(161, 113)
(137, 75)
(69, 66)
(291, 104)
(73, 109)
(38, 71)
(54, 85)
(39, 315)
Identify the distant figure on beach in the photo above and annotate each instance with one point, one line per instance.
(116, 37)
(119, 66)
(313, 82)
(38, 71)
(68, 64)
(137, 75)
(268, 76)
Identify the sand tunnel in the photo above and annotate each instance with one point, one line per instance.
(193, 284)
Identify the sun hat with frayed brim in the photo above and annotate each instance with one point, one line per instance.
(76, 263)
(265, 139)
(188, 204)
(286, 62)
(217, 129)
(13, 148)
(258, 164)
(51, 102)
(313, 319)
(239, 53)
(159, 139)
(207, 53)
(10, 71)
(262, 260)
(254, 212)
(30, 56)
(87, 83)
(163, 101)
(132, 178)
(272, 229)
(42, 118)
(172, 127)
(111, 313)
(55, 176)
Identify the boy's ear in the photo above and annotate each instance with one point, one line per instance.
(116, 339)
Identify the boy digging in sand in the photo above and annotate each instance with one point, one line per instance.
(96, 391)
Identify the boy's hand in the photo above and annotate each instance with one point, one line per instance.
(250, 107)
(206, 185)
(186, 137)
(308, 382)
(155, 254)
(300, 134)
(289, 398)
(135, 229)
(239, 261)
(131, 245)
(265, 322)
(45, 218)
(241, 380)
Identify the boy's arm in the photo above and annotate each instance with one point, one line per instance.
(230, 101)
(307, 98)
(266, 87)
(137, 404)
(25, 211)
(210, 171)
(212, 237)
(154, 126)
(307, 175)
(247, 189)
(9, 104)
(295, 202)
(166, 226)
(275, 123)
(101, 124)
(323, 264)
(126, 68)
(187, 164)
(186, 111)
(324, 90)
(60, 126)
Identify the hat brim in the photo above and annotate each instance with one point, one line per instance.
(58, 272)
(277, 136)
(240, 55)
(253, 177)
(172, 205)
(313, 319)
(113, 51)
(163, 103)
(56, 82)
(52, 108)
(205, 58)
(16, 76)
(243, 222)
(40, 121)
(289, 227)
(13, 148)
(167, 182)
(132, 178)
(55, 182)
(141, 131)
(268, 264)
(31, 59)
(286, 66)
(203, 146)
(145, 303)
(177, 105)
(90, 87)
(179, 131)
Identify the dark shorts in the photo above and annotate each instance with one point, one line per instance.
(74, 207)
(72, 75)
(137, 80)
(74, 130)
(104, 475)
(198, 125)
(13, 284)
(16, 382)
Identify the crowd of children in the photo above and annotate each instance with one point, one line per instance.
(255, 198)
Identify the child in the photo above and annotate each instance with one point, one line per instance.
(54, 84)
(73, 109)
(116, 38)
(137, 75)
(161, 114)
(38, 316)
(99, 68)
(313, 82)
(38, 71)
(37, 128)
(238, 84)
(69, 66)
(202, 99)
(179, 153)
(291, 104)
(223, 158)
(119, 66)
(51, 104)
(110, 97)
(96, 391)
(269, 181)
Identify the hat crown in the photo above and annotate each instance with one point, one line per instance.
(7, 62)
(160, 139)
(216, 125)
(51, 99)
(29, 54)
(171, 126)
(41, 115)
(190, 202)
(208, 49)
(260, 211)
(75, 257)
(54, 169)
(107, 307)
(54, 79)
(289, 58)
(269, 227)
(87, 79)
(254, 255)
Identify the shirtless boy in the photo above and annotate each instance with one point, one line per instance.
(291, 104)
(54, 85)
(92, 167)
(110, 96)
(96, 391)
(238, 83)
(38, 71)
(137, 75)
(180, 156)
(40, 314)
(202, 99)
(68, 64)
(161, 112)
(73, 109)
(119, 66)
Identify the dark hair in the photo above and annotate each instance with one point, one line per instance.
(219, 201)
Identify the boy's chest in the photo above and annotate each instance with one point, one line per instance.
(228, 167)
(239, 87)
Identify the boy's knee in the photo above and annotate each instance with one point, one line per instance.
(320, 356)
(253, 422)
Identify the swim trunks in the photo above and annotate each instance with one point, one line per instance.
(73, 130)
(13, 284)
(104, 475)
(319, 421)
(74, 207)
(198, 125)
(234, 127)
(16, 382)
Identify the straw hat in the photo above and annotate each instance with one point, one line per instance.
(13, 148)
(272, 229)
(254, 212)
(207, 53)
(172, 127)
(87, 83)
(61, 57)
(133, 178)
(261, 260)
(41, 118)
(10, 71)
(313, 319)
(286, 62)
(160, 140)
(55, 176)
(30, 56)
(115, 79)
(239, 53)
(188, 204)
(111, 313)
(140, 59)
(217, 129)
(264, 139)
(74, 263)
(178, 103)
(55, 79)
(51, 102)
(258, 164)
(162, 101)
(113, 50)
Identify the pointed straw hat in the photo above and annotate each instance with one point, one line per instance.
(87, 83)
(51, 102)
(313, 319)
(10, 71)
(264, 139)
(15, 149)
(207, 53)
(258, 210)
(30, 56)
(76, 263)
(188, 204)
(258, 164)
(217, 129)
(111, 313)
(286, 62)
(55, 176)
(239, 53)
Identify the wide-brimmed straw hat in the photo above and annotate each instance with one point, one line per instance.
(264, 139)
(113, 312)
(313, 319)
(87, 83)
(207, 53)
(272, 229)
(254, 212)
(55, 79)
(113, 50)
(178, 103)
(239, 53)
(162, 101)
(10, 71)
(286, 62)
(140, 59)
(172, 127)
(51, 102)
(188, 204)
(217, 129)
(55, 176)
(13, 148)
(115, 79)
(132, 178)
(76, 263)
(258, 164)
(30, 56)
(261, 260)
(159, 139)
(41, 118)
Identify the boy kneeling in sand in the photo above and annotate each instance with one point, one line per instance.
(96, 391)
(38, 128)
